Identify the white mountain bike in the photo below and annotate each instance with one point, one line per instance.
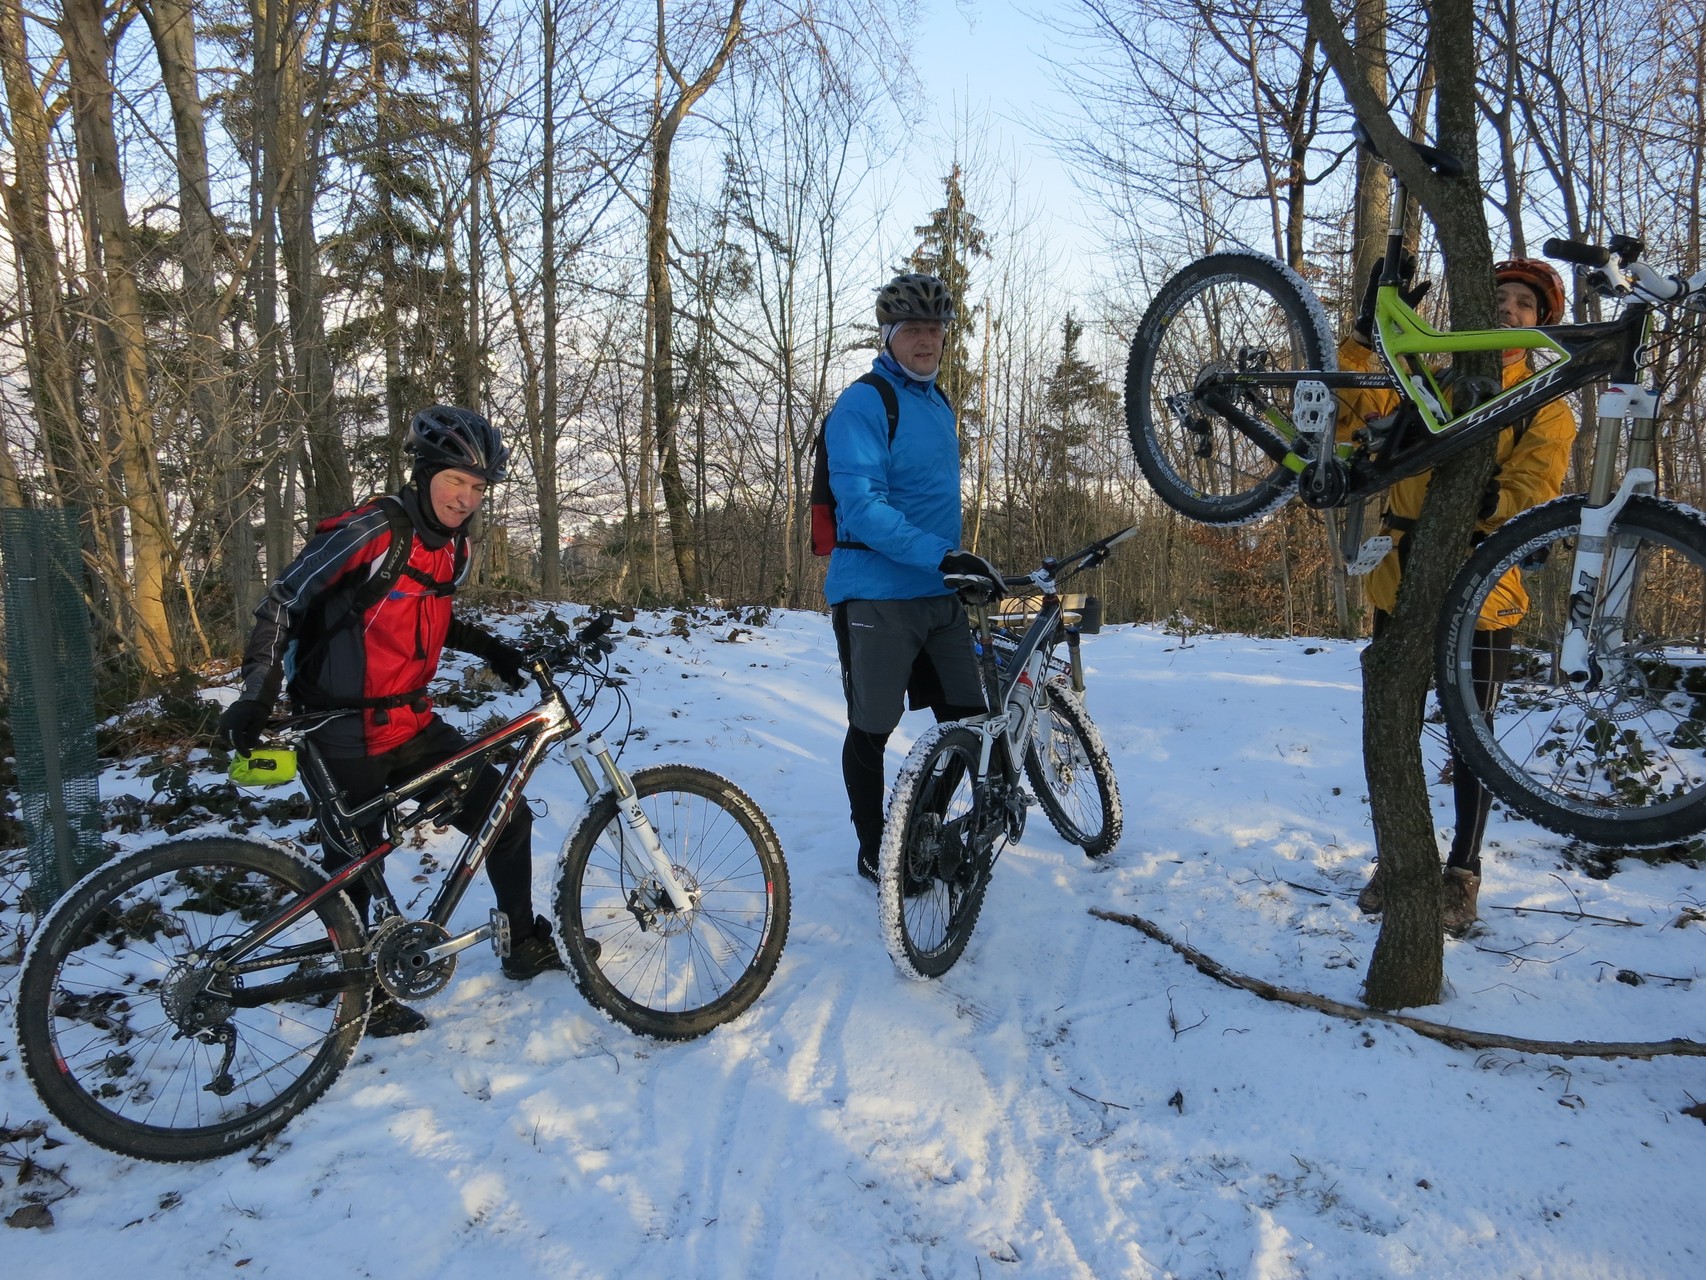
(958, 800)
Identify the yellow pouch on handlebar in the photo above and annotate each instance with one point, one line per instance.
(269, 768)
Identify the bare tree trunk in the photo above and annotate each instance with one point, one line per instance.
(545, 448)
(121, 366)
(173, 29)
(1373, 192)
(277, 536)
(1498, 105)
(47, 340)
(1407, 967)
(297, 125)
(473, 369)
(11, 491)
(666, 409)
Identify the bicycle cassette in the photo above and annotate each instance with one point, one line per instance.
(402, 964)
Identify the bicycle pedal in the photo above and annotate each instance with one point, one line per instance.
(1373, 552)
(500, 934)
(1314, 409)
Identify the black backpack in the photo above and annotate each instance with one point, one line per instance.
(824, 528)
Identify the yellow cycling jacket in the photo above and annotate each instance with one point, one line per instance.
(1532, 464)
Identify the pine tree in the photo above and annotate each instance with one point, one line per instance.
(947, 244)
(1079, 403)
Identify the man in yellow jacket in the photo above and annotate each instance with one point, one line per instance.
(1533, 457)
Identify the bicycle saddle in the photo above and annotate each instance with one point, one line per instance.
(1442, 163)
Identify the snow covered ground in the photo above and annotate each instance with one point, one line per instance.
(1072, 1100)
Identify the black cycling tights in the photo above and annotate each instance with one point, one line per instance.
(862, 767)
(509, 866)
(1489, 665)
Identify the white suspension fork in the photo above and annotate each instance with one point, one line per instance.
(656, 867)
(1602, 577)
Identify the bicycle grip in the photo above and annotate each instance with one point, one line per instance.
(1583, 255)
(593, 634)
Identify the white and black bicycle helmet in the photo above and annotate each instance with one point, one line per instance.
(443, 436)
(914, 296)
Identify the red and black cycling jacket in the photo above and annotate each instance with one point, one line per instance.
(322, 632)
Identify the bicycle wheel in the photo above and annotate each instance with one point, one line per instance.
(1622, 762)
(1226, 313)
(132, 1039)
(661, 972)
(1067, 766)
(934, 867)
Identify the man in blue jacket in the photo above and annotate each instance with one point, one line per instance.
(899, 627)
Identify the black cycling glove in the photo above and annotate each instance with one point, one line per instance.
(1412, 294)
(242, 723)
(1489, 498)
(967, 568)
(507, 663)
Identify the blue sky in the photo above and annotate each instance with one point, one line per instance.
(984, 68)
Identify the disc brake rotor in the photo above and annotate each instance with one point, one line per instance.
(664, 919)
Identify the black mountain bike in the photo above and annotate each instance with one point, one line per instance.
(190, 998)
(1600, 729)
(958, 800)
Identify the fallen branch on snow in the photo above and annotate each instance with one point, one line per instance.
(1433, 1030)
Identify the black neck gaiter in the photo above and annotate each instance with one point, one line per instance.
(419, 507)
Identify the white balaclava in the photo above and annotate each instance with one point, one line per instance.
(887, 332)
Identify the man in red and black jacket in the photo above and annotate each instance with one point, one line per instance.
(355, 622)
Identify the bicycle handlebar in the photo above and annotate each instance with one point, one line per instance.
(1577, 252)
(590, 643)
(1616, 272)
(1054, 571)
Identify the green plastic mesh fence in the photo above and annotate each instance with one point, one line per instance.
(51, 666)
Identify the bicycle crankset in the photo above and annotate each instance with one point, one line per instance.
(401, 960)
(1324, 483)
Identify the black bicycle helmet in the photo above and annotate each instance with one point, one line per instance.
(914, 296)
(443, 436)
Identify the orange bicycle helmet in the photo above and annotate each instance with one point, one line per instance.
(1539, 276)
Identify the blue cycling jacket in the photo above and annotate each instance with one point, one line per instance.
(902, 502)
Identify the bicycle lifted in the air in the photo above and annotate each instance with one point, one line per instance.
(1600, 729)
(958, 800)
(190, 998)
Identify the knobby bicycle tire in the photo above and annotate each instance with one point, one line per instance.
(666, 974)
(1623, 762)
(107, 985)
(931, 877)
(1067, 765)
(1218, 313)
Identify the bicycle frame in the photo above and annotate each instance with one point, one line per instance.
(1011, 687)
(1588, 353)
(536, 731)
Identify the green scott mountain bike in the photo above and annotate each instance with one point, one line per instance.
(1600, 729)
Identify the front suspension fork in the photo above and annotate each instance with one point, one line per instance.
(656, 865)
(1601, 584)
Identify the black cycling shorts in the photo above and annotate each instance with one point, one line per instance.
(893, 648)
